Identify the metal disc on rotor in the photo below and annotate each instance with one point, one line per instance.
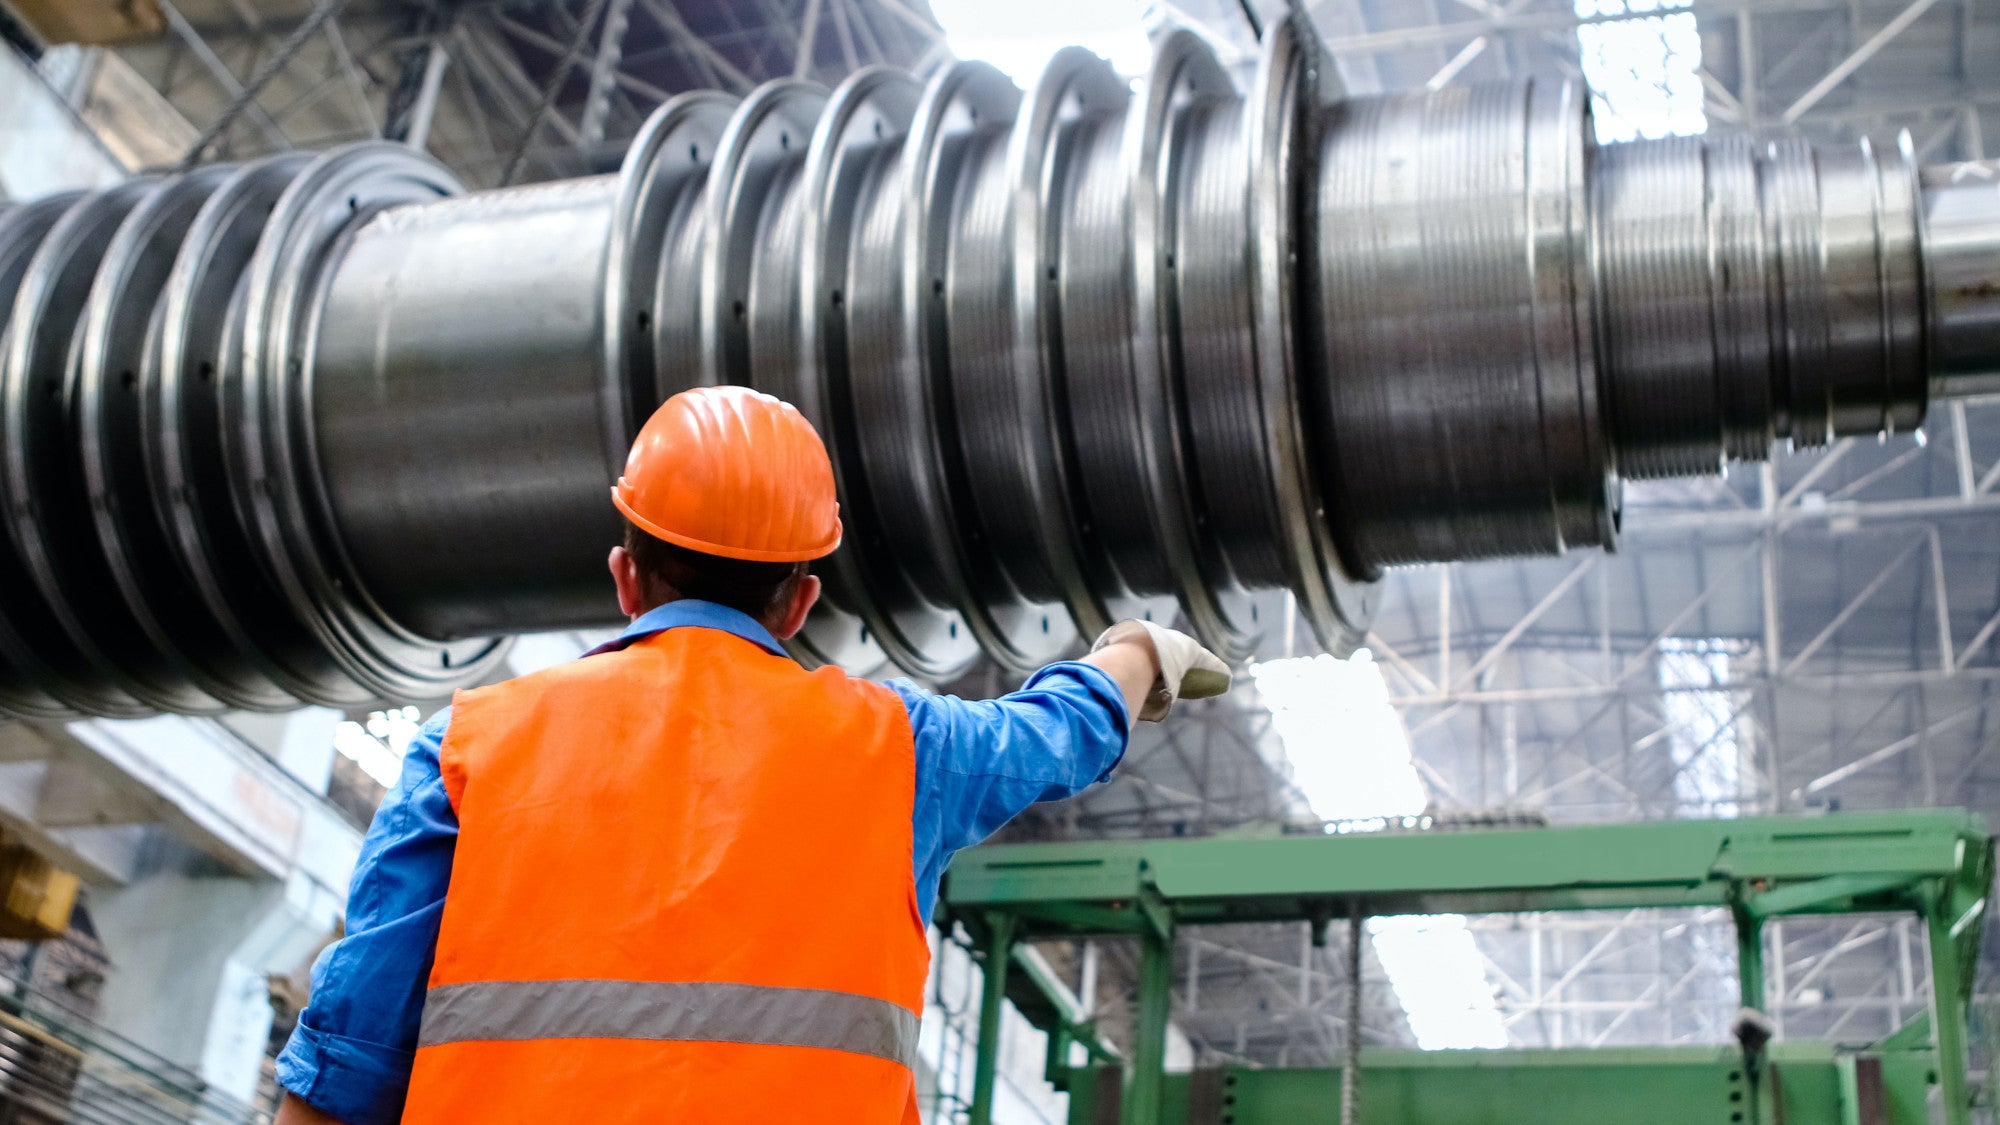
(1184, 73)
(47, 516)
(195, 355)
(760, 153)
(664, 169)
(111, 379)
(749, 286)
(1074, 353)
(913, 574)
(32, 676)
(864, 118)
(1035, 476)
(953, 180)
(274, 472)
(1287, 91)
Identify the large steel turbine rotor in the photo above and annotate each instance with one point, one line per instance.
(317, 430)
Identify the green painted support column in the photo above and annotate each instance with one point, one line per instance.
(1749, 957)
(992, 1001)
(1947, 1007)
(1145, 1078)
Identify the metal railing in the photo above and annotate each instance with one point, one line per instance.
(58, 1066)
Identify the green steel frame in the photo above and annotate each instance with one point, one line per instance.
(1936, 864)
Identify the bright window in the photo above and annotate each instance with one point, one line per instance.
(1642, 60)
(1019, 36)
(1350, 758)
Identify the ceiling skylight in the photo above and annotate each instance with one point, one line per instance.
(1642, 59)
(1350, 758)
(1019, 36)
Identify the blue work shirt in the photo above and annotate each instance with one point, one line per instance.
(978, 765)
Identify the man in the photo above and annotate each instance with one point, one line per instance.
(683, 879)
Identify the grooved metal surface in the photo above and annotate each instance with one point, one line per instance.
(317, 429)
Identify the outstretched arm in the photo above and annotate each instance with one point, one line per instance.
(979, 763)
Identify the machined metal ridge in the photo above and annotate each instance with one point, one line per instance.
(882, 458)
(1583, 488)
(1450, 283)
(663, 168)
(1797, 295)
(765, 140)
(981, 445)
(1184, 72)
(1871, 277)
(1293, 81)
(1900, 262)
(193, 355)
(865, 115)
(965, 102)
(1654, 307)
(752, 268)
(749, 280)
(111, 380)
(1008, 385)
(32, 683)
(274, 463)
(1078, 426)
(1737, 265)
(45, 504)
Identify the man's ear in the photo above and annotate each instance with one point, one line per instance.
(804, 596)
(625, 576)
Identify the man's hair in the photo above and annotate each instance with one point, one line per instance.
(669, 572)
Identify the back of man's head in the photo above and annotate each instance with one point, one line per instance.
(669, 572)
(728, 495)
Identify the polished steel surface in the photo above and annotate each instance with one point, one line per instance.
(1459, 412)
(317, 429)
(1962, 277)
(458, 390)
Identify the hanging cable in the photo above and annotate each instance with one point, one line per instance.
(322, 12)
(550, 89)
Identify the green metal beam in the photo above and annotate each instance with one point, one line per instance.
(1628, 1086)
(1937, 863)
(1099, 886)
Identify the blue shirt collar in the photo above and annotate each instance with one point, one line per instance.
(688, 613)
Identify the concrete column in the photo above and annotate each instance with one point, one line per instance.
(196, 929)
(191, 949)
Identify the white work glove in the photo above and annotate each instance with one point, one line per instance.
(1187, 670)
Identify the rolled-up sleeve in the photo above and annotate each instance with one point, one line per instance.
(980, 763)
(351, 1054)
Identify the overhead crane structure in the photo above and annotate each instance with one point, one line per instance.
(323, 430)
(1934, 864)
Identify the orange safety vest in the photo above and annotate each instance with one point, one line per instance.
(682, 892)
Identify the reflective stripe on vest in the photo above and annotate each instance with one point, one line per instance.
(675, 1011)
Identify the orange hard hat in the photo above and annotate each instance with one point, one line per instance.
(728, 471)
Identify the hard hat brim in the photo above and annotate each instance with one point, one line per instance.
(746, 554)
